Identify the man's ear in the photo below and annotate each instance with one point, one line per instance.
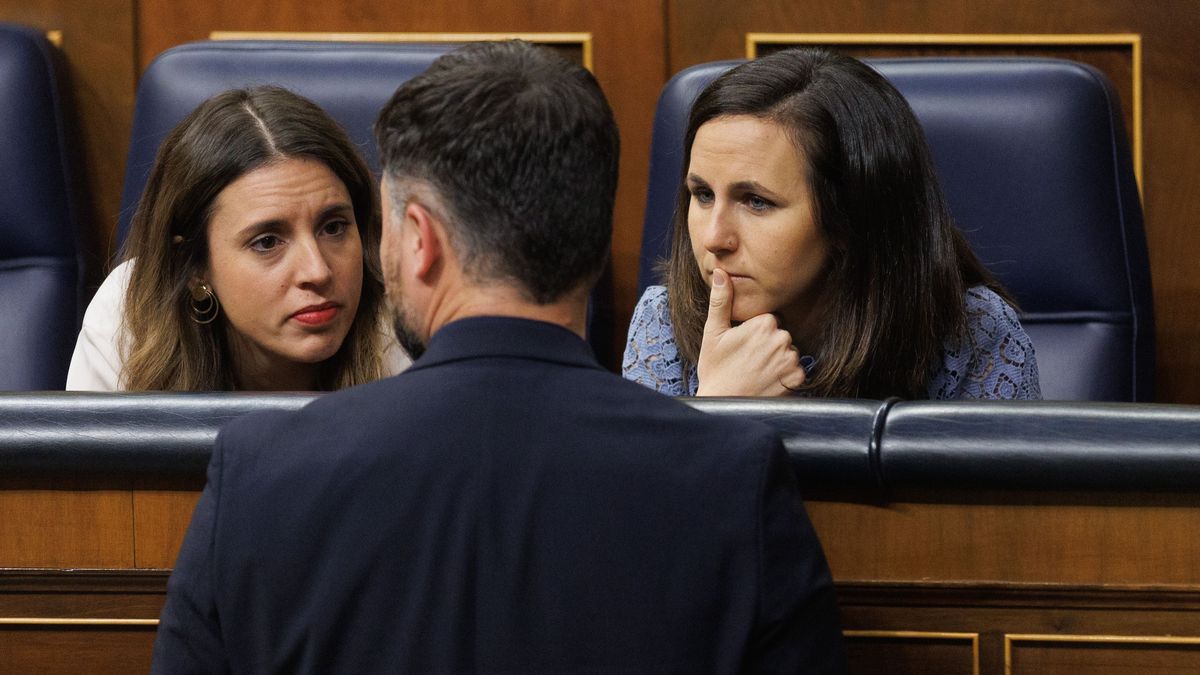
(426, 240)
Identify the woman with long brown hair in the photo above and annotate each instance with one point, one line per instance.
(252, 262)
(813, 252)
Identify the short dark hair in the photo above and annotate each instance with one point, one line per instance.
(521, 149)
(896, 280)
(223, 139)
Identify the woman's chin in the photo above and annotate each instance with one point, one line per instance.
(316, 353)
(747, 311)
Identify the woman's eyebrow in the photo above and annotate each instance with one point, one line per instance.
(269, 225)
(339, 209)
(753, 186)
(277, 224)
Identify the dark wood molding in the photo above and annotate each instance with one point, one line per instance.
(46, 581)
(1019, 595)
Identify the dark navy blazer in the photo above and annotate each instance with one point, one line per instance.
(505, 505)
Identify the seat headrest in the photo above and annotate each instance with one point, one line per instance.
(36, 216)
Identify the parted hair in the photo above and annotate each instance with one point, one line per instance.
(520, 148)
(226, 137)
(893, 289)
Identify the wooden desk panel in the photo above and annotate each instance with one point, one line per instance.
(73, 649)
(78, 621)
(914, 576)
(161, 513)
(1067, 538)
(1066, 655)
(65, 523)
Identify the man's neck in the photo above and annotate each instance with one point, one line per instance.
(570, 312)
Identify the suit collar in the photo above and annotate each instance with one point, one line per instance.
(492, 336)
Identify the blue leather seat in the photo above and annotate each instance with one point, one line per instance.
(351, 81)
(40, 268)
(1035, 164)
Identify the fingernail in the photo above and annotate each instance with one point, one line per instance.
(718, 279)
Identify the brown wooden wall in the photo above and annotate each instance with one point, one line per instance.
(637, 45)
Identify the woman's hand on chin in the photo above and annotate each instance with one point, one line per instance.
(755, 358)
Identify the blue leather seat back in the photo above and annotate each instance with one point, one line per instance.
(39, 261)
(1034, 161)
(351, 81)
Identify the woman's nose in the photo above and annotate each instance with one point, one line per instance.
(311, 266)
(720, 235)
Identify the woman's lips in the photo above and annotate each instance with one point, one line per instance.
(731, 275)
(317, 315)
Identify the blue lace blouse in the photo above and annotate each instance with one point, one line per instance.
(996, 361)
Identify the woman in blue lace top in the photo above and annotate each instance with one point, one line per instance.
(813, 252)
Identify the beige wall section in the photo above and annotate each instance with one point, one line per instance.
(1171, 111)
(628, 39)
(98, 46)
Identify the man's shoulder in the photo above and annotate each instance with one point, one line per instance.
(675, 417)
(324, 417)
(423, 407)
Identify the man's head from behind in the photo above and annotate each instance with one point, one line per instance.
(512, 150)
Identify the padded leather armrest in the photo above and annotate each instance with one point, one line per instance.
(1042, 445)
(831, 442)
(151, 433)
(1026, 445)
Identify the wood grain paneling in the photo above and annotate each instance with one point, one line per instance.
(922, 623)
(574, 46)
(903, 652)
(81, 594)
(999, 611)
(1017, 537)
(65, 523)
(78, 621)
(1069, 655)
(160, 520)
(74, 649)
(628, 52)
(709, 30)
(98, 46)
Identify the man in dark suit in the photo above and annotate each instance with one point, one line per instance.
(505, 505)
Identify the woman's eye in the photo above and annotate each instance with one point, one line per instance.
(702, 196)
(265, 243)
(334, 228)
(758, 204)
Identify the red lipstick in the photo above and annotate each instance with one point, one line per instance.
(317, 315)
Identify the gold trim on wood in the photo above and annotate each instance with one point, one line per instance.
(584, 40)
(55, 38)
(1011, 638)
(922, 635)
(1131, 40)
(37, 621)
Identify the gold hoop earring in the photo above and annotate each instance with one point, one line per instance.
(204, 305)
